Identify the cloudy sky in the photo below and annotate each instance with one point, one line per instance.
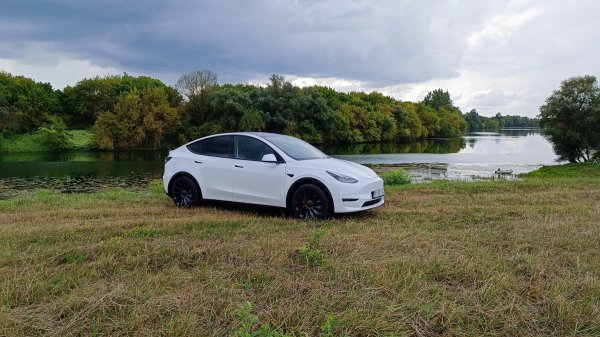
(491, 55)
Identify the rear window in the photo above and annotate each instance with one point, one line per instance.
(220, 146)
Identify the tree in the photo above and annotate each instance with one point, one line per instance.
(474, 121)
(86, 100)
(570, 118)
(409, 123)
(139, 118)
(195, 86)
(252, 120)
(196, 82)
(438, 99)
(25, 104)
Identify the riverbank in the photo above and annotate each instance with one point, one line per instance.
(80, 140)
(496, 258)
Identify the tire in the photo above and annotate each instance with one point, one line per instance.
(185, 193)
(309, 201)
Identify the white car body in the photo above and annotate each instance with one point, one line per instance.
(270, 183)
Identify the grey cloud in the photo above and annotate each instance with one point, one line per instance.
(379, 42)
(494, 98)
(524, 47)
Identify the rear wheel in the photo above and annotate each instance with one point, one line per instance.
(310, 202)
(185, 193)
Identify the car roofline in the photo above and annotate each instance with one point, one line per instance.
(257, 135)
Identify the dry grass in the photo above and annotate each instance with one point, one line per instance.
(492, 258)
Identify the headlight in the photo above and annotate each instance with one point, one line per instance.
(342, 178)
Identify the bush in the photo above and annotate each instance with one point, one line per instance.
(396, 177)
(55, 134)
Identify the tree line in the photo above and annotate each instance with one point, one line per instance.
(126, 112)
(476, 122)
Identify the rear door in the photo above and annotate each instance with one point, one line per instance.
(253, 180)
(211, 165)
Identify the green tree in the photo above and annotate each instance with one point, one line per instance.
(159, 116)
(86, 100)
(451, 123)
(196, 87)
(140, 118)
(25, 104)
(430, 120)
(438, 99)
(409, 124)
(252, 120)
(474, 121)
(570, 118)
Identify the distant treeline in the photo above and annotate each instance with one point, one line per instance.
(475, 122)
(126, 112)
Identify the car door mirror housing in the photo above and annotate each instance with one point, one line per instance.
(269, 158)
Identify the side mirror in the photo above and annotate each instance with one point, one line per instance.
(269, 158)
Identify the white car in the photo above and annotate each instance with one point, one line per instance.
(269, 169)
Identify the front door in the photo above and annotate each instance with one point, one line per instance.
(254, 181)
(211, 165)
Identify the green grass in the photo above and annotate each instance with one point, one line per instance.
(34, 142)
(491, 258)
(587, 170)
(81, 139)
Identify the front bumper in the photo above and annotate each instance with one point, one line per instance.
(356, 197)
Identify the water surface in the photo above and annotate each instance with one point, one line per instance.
(476, 155)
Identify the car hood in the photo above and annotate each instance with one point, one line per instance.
(342, 167)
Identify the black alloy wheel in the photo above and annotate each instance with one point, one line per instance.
(185, 193)
(310, 202)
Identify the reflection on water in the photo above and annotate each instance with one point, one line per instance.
(78, 171)
(81, 163)
(482, 153)
(151, 155)
(475, 155)
(416, 146)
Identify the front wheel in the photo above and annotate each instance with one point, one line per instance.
(310, 202)
(185, 193)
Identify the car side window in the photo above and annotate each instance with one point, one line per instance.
(249, 148)
(221, 146)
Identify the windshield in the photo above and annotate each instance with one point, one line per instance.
(295, 148)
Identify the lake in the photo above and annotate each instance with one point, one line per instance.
(474, 156)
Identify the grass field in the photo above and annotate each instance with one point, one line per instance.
(500, 258)
(34, 142)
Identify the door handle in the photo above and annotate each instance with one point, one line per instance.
(197, 162)
(240, 166)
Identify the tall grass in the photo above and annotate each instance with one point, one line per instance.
(498, 258)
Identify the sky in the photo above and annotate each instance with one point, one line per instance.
(493, 56)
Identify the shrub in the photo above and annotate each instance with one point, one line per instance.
(396, 177)
(55, 134)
